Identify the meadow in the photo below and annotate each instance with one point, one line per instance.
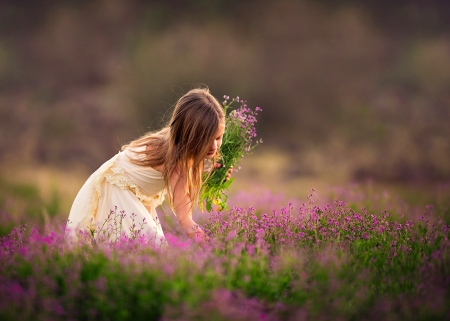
(355, 252)
(352, 91)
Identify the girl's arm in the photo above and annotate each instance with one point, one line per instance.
(182, 207)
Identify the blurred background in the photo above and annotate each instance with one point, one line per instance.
(351, 91)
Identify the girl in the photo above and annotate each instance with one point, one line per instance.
(121, 196)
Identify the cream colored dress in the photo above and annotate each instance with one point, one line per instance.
(115, 197)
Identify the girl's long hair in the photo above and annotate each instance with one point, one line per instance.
(181, 146)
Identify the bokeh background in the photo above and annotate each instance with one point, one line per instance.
(351, 91)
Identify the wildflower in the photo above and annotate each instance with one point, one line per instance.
(237, 142)
(232, 235)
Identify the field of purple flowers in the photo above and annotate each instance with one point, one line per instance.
(351, 256)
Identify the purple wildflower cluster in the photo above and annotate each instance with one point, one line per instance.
(244, 118)
(259, 264)
(308, 225)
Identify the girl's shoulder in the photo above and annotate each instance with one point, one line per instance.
(149, 149)
(138, 155)
(135, 152)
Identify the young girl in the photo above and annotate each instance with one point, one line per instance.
(121, 196)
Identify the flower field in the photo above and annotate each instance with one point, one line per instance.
(351, 256)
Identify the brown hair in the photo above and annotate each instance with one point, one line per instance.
(181, 146)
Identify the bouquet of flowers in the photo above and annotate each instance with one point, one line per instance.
(238, 140)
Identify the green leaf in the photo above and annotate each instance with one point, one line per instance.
(227, 183)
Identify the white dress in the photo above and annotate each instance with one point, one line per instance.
(118, 187)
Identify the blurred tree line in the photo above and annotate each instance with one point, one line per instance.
(364, 83)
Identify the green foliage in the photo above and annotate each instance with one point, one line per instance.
(22, 203)
(236, 142)
(318, 262)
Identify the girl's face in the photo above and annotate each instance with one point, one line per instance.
(215, 146)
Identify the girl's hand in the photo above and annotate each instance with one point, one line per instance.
(198, 235)
(230, 170)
